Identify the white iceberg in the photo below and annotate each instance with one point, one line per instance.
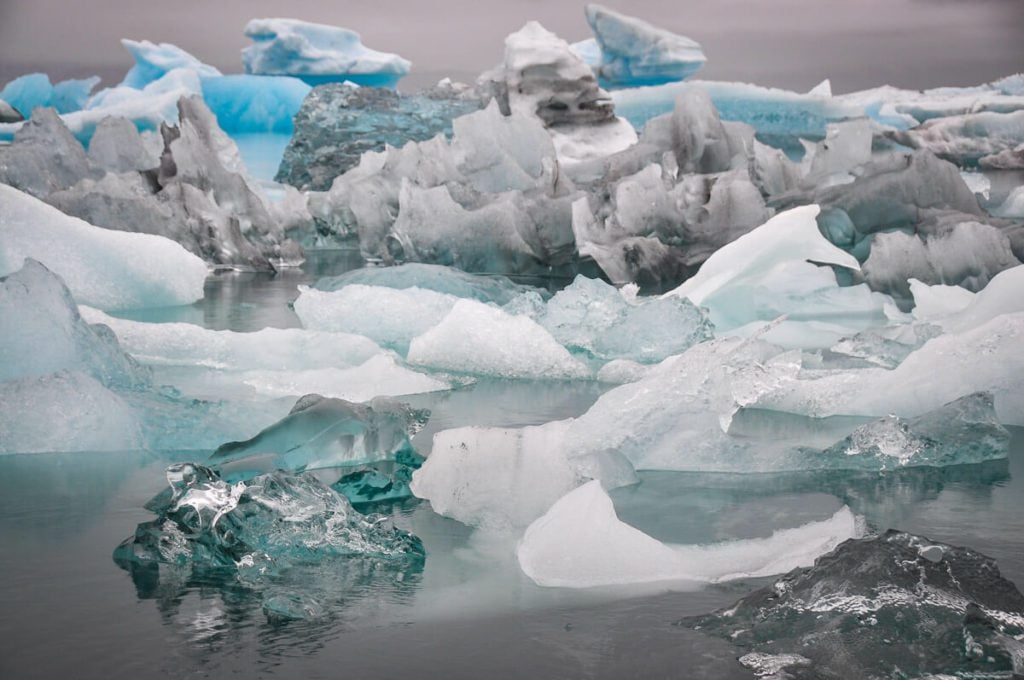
(581, 543)
(107, 269)
(155, 60)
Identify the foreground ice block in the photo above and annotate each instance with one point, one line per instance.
(265, 525)
(953, 613)
(65, 411)
(627, 52)
(107, 269)
(321, 432)
(317, 53)
(581, 543)
(479, 339)
(41, 332)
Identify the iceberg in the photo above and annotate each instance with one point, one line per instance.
(42, 332)
(111, 270)
(44, 157)
(337, 123)
(271, 522)
(479, 339)
(8, 114)
(321, 432)
(952, 611)
(65, 411)
(1013, 206)
(581, 543)
(118, 147)
(153, 61)
(627, 52)
(254, 104)
(318, 53)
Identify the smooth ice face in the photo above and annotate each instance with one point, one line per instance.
(65, 411)
(153, 61)
(936, 301)
(322, 432)
(767, 273)
(933, 596)
(627, 52)
(267, 524)
(317, 53)
(596, 318)
(41, 332)
(962, 432)
(106, 269)
(389, 316)
(1013, 206)
(496, 478)
(581, 543)
(483, 340)
(244, 103)
(498, 290)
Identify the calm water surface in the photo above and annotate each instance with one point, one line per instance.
(69, 611)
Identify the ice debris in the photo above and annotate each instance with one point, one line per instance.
(107, 269)
(317, 53)
(948, 607)
(581, 543)
(629, 52)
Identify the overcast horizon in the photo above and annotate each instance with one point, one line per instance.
(785, 43)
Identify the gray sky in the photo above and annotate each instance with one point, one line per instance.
(787, 43)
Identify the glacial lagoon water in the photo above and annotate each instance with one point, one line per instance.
(70, 611)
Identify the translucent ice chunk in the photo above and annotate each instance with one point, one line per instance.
(65, 411)
(322, 432)
(480, 339)
(581, 543)
(278, 519)
(962, 432)
(102, 268)
(592, 316)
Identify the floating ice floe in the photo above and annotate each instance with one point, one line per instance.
(103, 268)
(939, 599)
(317, 53)
(628, 52)
(581, 543)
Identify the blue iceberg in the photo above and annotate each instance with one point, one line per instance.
(628, 52)
(318, 53)
(154, 61)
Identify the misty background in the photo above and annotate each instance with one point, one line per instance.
(784, 43)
